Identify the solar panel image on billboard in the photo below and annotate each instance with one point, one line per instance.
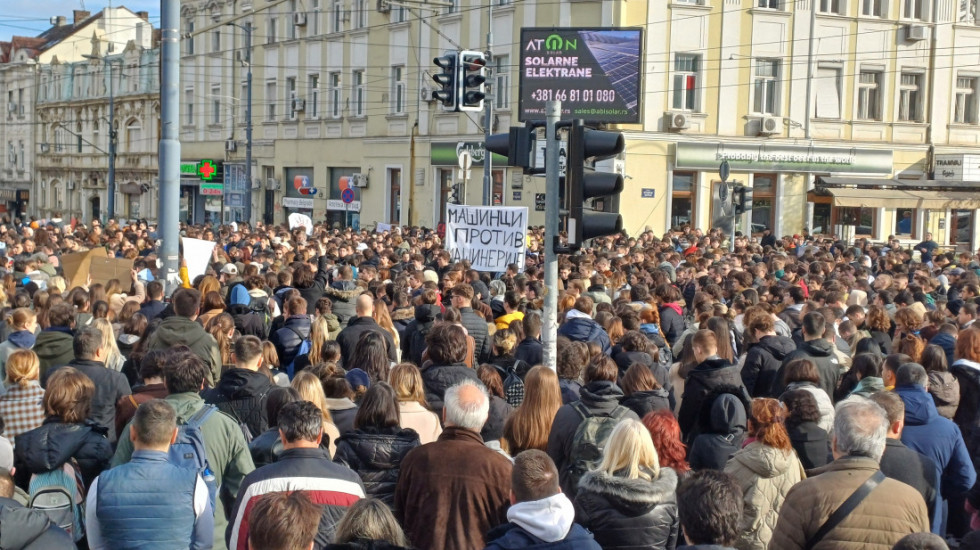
(595, 73)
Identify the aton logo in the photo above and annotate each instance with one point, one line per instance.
(303, 185)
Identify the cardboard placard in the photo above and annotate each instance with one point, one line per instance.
(100, 265)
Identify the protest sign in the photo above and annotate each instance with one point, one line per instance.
(100, 265)
(490, 237)
(382, 227)
(197, 253)
(301, 220)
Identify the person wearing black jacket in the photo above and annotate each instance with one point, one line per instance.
(358, 326)
(242, 391)
(671, 315)
(764, 358)
(446, 344)
(711, 372)
(311, 285)
(642, 393)
(476, 325)
(633, 348)
(267, 446)
(295, 329)
(110, 385)
(426, 313)
(377, 445)
(154, 305)
(817, 349)
(530, 349)
(810, 441)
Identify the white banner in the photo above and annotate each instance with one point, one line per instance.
(490, 237)
(197, 252)
(301, 220)
(382, 227)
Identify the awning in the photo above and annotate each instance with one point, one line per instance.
(900, 198)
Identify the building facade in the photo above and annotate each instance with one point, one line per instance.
(822, 126)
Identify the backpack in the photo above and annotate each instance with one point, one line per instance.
(188, 450)
(590, 440)
(60, 495)
(665, 357)
(304, 348)
(260, 306)
(513, 385)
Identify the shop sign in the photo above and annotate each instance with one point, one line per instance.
(783, 158)
(212, 189)
(448, 154)
(339, 205)
(294, 202)
(957, 168)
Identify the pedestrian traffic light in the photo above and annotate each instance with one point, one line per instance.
(742, 199)
(516, 145)
(583, 183)
(448, 81)
(472, 80)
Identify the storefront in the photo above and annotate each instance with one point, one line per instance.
(14, 202)
(201, 190)
(466, 186)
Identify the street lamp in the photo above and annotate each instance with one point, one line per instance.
(111, 206)
(247, 29)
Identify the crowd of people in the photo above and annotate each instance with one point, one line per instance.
(339, 389)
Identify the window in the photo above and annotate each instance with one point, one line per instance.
(501, 81)
(271, 26)
(79, 141)
(215, 104)
(134, 134)
(216, 40)
(21, 108)
(243, 104)
(337, 16)
(189, 103)
(766, 86)
(863, 219)
(313, 105)
(336, 96)
(290, 27)
(910, 97)
(871, 8)
(682, 199)
(687, 68)
(770, 4)
(965, 109)
(763, 199)
(291, 96)
(189, 41)
(397, 90)
(831, 6)
(869, 95)
(270, 100)
(357, 95)
(314, 23)
(913, 9)
(399, 14)
(360, 14)
(11, 154)
(96, 141)
(453, 8)
(827, 89)
(904, 222)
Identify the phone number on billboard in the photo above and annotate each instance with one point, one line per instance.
(601, 96)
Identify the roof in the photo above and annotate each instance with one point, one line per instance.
(57, 33)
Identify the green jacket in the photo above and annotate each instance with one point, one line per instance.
(227, 451)
(176, 331)
(54, 349)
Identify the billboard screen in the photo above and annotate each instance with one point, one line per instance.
(594, 72)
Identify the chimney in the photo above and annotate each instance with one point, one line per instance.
(59, 21)
(144, 15)
(80, 15)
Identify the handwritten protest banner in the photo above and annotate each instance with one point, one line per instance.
(490, 237)
(301, 220)
(197, 253)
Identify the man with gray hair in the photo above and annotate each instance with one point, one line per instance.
(452, 491)
(851, 504)
(934, 436)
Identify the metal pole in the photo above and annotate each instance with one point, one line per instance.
(170, 142)
(111, 210)
(549, 330)
(809, 67)
(488, 118)
(248, 121)
(731, 198)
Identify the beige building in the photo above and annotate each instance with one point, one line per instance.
(342, 98)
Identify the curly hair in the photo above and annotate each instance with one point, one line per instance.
(908, 320)
(802, 407)
(912, 346)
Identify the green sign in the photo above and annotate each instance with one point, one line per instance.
(746, 157)
(447, 154)
(205, 170)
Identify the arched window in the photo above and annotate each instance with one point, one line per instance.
(134, 136)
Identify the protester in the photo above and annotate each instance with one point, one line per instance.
(709, 505)
(21, 406)
(181, 329)
(242, 390)
(413, 409)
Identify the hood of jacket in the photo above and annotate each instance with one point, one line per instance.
(548, 519)
(919, 405)
(52, 444)
(301, 324)
(634, 496)
(625, 359)
(243, 383)
(427, 313)
(176, 330)
(30, 525)
(601, 393)
(23, 339)
(765, 461)
(54, 343)
(344, 290)
(727, 414)
(945, 341)
(777, 346)
(239, 296)
(403, 314)
(818, 348)
(868, 385)
(581, 329)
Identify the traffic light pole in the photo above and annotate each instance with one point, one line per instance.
(170, 143)
(488, 118)
(549, 330)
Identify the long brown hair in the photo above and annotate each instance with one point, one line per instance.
(219, 327)
(528, 427)
(766, 424)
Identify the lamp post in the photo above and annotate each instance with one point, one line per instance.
(247, 29)
(111, 202)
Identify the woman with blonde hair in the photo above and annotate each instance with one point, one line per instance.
(270, 360)
(222, 328)
(369, 523)
(117, 298)
(208, 283)
(383, 318)
(319, 336)
(629, 500)
(310, 389)
(20, 406)
(766, 469)
(114, 359)
(23, 324)
(529, 425)
(213, 306)
(413, 409)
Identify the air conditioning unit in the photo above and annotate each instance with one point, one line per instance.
(384, 6)
(272, 184)
(231, 146)
(256, 183)
(426, 94)
(769, 125)
(678, 121)
(299, 104)
(299, 19)
(359, 180)
(914, 33)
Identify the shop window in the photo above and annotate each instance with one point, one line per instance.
(904, 222)
(821, 219)
(497, 180)
(863, 220)
(763, 202)
(682, 199)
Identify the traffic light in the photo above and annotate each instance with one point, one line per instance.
(516, 145)
(448, 81)
(583, 183)
(472, 80)
(742, 199)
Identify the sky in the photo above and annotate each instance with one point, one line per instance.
(31, 17)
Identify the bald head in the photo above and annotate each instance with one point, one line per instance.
(467, 405)
(365, 305)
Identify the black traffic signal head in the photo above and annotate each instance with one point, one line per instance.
(742, 199)
(516, 145)
(473, 78)
(583, 183)
(448, 81)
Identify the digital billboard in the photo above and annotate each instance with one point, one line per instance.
(594, 72)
